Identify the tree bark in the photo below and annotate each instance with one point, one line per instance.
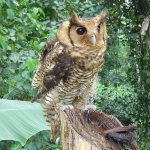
(86, 130)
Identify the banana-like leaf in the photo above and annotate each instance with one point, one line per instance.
(19, 120)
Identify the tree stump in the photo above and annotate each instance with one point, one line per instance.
(89, 130)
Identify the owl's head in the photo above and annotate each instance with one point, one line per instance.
(84, 32)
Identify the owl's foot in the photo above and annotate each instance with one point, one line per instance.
(88, 107)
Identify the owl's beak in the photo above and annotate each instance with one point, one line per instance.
(93, 39)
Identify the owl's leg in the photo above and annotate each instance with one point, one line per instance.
(91, 107)
(82, 104)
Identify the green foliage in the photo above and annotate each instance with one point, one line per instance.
(23, 32)
(40, 141)
(19, 120)
(113, 99)
(23, 121)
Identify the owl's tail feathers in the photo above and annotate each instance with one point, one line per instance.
(52, 118)
(38, 77)
(55, 130)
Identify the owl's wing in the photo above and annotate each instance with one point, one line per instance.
(54, 66)
(37, 79)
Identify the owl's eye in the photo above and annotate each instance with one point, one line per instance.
(81, 30)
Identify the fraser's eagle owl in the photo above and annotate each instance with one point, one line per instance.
(69, 64)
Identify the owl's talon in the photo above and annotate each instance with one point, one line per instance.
(89, 107)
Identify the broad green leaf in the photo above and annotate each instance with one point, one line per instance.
(3, 42)
(31, 63)
(10, 13)
(35, 10)
(19, 120)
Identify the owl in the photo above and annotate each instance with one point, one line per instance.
(69, 65)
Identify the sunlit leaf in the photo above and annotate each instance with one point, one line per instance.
(31, 64)
(10, 13)
(19, 120)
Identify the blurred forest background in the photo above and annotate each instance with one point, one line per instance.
(124, 83)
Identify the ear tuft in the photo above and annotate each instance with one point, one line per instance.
(103, 16)
(74, 18)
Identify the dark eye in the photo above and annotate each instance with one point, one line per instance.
(81, 30)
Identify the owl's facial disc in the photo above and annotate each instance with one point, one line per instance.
(82, 30)
(93, 39)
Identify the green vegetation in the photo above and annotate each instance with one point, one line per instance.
(19, 120)
(124, 85)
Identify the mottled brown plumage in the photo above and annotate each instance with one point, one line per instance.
(70, 62)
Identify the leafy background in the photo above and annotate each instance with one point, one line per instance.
(124, 83)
